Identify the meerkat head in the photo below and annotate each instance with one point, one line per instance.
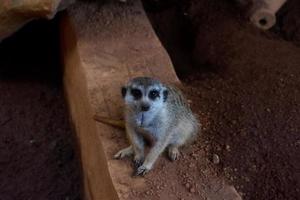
(144, 96)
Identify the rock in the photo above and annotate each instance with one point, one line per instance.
(187, 185)
(216, 159)
(191, 165)
(227, 147)
(15, 14)
(192, 190)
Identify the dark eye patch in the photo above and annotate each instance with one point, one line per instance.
(153, 94)
(136, 93)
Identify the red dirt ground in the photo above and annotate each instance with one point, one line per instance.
(245, 87)
(38, 157)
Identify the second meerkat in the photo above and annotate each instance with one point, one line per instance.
(159, 113)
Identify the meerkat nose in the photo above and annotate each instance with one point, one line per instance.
(145, 107)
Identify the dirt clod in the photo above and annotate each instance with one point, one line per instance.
(192, 190)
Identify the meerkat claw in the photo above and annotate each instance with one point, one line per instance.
(141, 171)
(138, 162)
(173, 154)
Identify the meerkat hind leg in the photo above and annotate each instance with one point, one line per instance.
(128, 151)
(176, 142)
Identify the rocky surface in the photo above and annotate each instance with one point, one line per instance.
(15, 14)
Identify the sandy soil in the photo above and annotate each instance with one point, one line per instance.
(244, 84)
(38, 159)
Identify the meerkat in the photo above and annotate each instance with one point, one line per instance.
(158, 113)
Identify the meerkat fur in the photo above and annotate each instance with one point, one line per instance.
(158, 113)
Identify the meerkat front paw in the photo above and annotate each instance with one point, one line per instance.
(124, 152)
(138, 161)
(142, 170)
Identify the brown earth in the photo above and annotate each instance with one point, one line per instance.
(244, 84)
(38, 157)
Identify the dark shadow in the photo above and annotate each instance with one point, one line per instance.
(39, 156)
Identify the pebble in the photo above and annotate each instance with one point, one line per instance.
(187, 185)
(192, 190)
(216, 159)
(31, 141)
(227, 147)
(191, 165)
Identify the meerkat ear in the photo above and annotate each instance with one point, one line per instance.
(123, 91)
(165, 94)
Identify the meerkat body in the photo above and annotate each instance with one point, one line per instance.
(157, 113)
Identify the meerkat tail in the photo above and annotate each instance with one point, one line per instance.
(113, 122)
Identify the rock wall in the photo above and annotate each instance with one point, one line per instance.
(14, 14)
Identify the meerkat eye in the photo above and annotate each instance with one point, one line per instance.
(136, 93)
(153, 94)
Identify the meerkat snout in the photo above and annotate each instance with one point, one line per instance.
(145, 107)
